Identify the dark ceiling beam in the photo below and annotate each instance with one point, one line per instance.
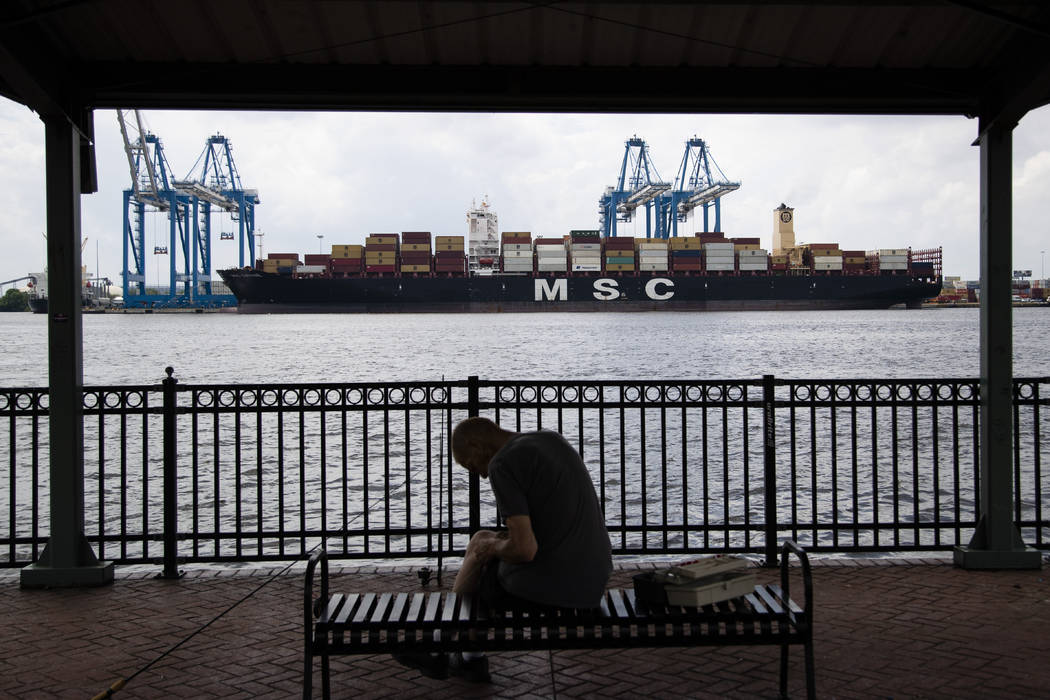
(503, 88)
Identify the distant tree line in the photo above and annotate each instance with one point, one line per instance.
(14, 300)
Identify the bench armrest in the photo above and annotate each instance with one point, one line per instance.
(790, 547)
(310, 608)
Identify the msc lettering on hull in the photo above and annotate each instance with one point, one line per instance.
(604, 289)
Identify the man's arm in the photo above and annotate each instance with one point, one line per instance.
(520, 544)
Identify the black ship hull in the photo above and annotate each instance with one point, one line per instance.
(260, 292)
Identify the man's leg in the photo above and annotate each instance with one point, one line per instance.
(469, 577)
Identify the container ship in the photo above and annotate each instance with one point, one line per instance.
(583, 271)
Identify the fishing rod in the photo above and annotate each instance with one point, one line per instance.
(120, 683)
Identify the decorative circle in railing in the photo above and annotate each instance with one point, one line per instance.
(112, 399)
(713, 393)
(883, 392)
(1025, 391)
(354, 397)
(654, 394)
(966, 392)
(632, 394)
(5, 401)
(904, 392)
(375, 396)
(91, 401)
(845, 392)
(863, 392)
(570, 394)
(527, 394)
(507, 394)
(418, 394)
(312, 397)
(269, 397)
(735, 392)
(202, 398)
(397, 395)
(291, 397)
(801, 392)
(333, 397)
(924, 392)
(228, 398)
(439, 394)
(673, 393)
(946, 392)
(592, 393)
(822, 392)
(549, 394)
(42, 401)
(694, 393)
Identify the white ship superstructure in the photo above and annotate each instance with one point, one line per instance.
(482, 239)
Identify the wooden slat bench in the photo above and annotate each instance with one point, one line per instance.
(384, 623)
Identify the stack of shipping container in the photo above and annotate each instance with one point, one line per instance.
(314, 265)
(686, 254)
(619, 254)
(652, 255)
(751, 257)
(551, 255)
(826, 257)
(415, 252)
(381, 253)
(281, 263)
(719, 253)
(585, 251)
(347, 260)
(854, 262)
(450, 255)
(888, 261)
(516, 251)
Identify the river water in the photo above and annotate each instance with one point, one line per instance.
(234, 348)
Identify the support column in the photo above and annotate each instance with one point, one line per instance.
(996, 543)
(67, 559)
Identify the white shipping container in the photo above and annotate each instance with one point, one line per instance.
(652, 254)
(311, 269)
(586, 267)
(586, 246)
(720, 258)
(719, 267)
(586, 260)
(893, 258)
(827, 266)
(719, 247)
(893, 266)
(549, 247)
(893, 251)
(517, 246)
(653, 267)
(829, 259)
(552, 266)
(517, 264)
(653, 245)
(759, 253)
(512, 254)
(748, 266)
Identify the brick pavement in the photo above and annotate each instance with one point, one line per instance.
(895, 629)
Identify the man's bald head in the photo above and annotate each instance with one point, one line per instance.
(475, 441)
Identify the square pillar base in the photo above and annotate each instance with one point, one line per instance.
(1023, 558)
(42, 576)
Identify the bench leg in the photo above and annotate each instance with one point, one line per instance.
(784, 671)
(811, 680)
(326, 683)
(308, 673)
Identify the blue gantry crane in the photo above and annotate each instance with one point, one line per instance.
(639, 185)
(700, 183)
(189, 203)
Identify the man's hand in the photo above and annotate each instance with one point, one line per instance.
(519, 545)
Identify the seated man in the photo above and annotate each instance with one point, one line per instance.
(555, 551)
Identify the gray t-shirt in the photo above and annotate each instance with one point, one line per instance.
(541, 475)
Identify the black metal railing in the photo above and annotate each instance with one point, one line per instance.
(235, 473)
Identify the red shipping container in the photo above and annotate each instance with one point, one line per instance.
(416, 236)
(383, 235)
(379, 268)
(449, 268)
(416, 254)
(449, 255)
(377, 247)
(283, 256)
(746, 241)
(517, 239)
(686, 265)
(316, 259)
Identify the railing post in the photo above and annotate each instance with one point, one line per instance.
(474, 481)
(171, 484)
(769, 422)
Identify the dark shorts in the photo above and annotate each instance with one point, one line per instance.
(492, 593)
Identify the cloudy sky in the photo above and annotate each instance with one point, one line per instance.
(863, 182)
